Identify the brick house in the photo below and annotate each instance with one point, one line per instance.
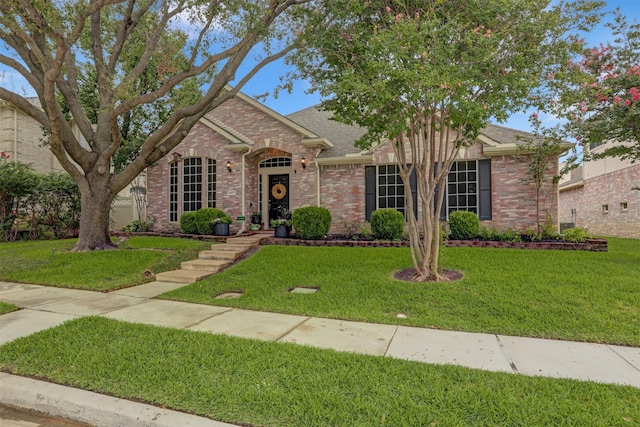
(243, 157)
(598, 196)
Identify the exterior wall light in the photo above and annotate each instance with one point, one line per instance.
(229, 166)
(303, 162)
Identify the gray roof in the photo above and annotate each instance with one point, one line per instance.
(504, 135)
(344, 136)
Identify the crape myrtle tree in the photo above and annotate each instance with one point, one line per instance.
(63, 48)
(539, 152)
(599, 94)
(428, 75)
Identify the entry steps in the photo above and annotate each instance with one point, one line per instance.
(211, 261)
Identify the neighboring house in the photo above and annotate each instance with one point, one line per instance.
(23, 139)
(243, 157)
(599, 196)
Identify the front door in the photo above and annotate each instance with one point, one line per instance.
(278, 194)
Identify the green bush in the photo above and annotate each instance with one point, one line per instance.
(577, 234)
(387, 224)
(188, 223)
(463, 225)
(205, 219)
(311, 222)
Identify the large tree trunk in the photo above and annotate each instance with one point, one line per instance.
(94, 217)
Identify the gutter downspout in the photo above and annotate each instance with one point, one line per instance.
(242, 229)
(15, 134)
(317, 183)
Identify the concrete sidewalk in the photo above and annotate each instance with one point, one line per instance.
(46, 307)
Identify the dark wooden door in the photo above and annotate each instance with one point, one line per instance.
(278, 194)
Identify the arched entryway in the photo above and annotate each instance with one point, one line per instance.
(274, 186)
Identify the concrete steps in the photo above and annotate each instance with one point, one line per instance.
(183, 276)
(221, 255)
(211, 261)
(212, 265)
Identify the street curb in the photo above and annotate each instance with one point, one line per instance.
(92, 408)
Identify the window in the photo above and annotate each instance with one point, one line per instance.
(193, 187)
(605, 209)
(173, 192)
(384, 189)
(211, 183)
(468, 189)
(276, 162)
(390, 188)
(462, 187)
(624, 206)
(192, 184)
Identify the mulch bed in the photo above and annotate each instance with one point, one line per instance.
(409, 275)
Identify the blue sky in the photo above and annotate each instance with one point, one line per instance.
(286, 103)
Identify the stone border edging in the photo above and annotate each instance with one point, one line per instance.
(594, 245)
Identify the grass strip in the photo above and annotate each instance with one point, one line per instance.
(7, 308)
(571, 295)
(263, 383)
(53, 263)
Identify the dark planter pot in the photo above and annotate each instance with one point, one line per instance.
(220, 229)
(256, 220)
(282, 231)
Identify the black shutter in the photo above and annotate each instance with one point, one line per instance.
(484, 182)
(413, 182)
(369, 190)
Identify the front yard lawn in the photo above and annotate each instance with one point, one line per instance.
(571, 295)
(250, 382)
(51, 262)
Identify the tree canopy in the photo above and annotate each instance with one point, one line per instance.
(127, 75)
(599, 93)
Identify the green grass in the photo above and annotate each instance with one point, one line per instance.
(7, 308)
(572, 295)
(51, 262)
(263, 383)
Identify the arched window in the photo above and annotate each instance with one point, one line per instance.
(276, 162)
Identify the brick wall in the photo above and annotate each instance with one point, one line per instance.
(343, 193)
(610, 189)
(514, 196)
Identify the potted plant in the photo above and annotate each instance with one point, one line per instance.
(256, 218)
(282, 225)
(221, 226)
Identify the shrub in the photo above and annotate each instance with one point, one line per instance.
(188, 223)
(577, 234)
(387, 224)
(205, 219)
(311, 222)
(463, 225)
(445, 232)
